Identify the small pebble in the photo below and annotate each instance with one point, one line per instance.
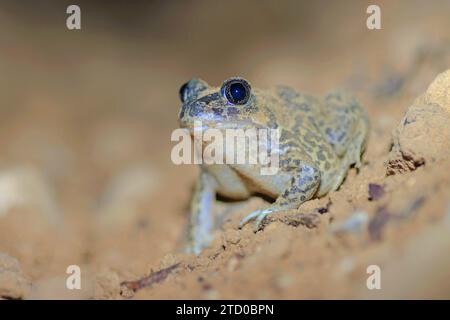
(232, 236)
(376, 191)
(353, 224)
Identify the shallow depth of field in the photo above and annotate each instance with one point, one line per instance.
(85, 171)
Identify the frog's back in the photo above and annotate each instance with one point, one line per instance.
(331, 132)
(298, 117)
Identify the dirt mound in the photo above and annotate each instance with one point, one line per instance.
(423, 135)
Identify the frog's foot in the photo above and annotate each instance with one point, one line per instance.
(354, 154)
(303, 185)
(352, 157)
(258, 216)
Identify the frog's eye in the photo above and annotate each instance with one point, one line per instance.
(236, 90)
(192, 89)
(182, 92)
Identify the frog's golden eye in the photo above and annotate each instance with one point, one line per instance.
(236, 90)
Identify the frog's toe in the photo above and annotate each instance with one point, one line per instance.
(358, 164)
(249, 217)
(259, 220)
(258, 216)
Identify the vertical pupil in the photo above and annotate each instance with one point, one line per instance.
(237, 91)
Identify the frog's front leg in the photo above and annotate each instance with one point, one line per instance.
(201, 223)
(302, 186)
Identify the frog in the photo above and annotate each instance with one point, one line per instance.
(320, 140)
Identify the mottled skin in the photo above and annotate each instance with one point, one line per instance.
(320, 140)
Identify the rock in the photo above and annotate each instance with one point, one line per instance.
(13, 284)
(423, 136)
(376, 191)
(231, 237)
(26, 187)
(439, 91)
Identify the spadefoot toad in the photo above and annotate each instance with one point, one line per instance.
(319, 141)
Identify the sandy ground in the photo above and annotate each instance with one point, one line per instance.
(86, 177)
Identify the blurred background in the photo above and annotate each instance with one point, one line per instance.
(86, 115)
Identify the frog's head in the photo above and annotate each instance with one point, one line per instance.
(232, 106)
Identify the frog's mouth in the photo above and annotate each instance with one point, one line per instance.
(202, 126)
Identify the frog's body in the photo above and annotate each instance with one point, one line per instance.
(319, 141)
